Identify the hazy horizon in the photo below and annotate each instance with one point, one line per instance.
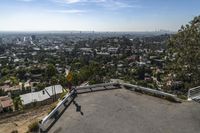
(96, 15)
(83, 31)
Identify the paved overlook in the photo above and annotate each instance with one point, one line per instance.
(122, 111)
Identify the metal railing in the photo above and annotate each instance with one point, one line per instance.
(47, 122)
(152, 91)
(96, 87)
(193, 93)
(50, 119)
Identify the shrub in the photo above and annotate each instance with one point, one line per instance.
(182, 97)
(14, 131)
(63, 95)
(33, 127)
(52, 107)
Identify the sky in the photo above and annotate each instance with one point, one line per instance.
(96, 15)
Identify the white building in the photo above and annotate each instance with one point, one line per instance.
(41, 95)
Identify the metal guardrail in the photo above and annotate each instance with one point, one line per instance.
(52, 117)
(97, 87)
(152, 91)
(193, 93)
(56, 112)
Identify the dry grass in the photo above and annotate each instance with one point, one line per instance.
(20, 122)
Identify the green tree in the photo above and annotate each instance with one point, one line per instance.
(21, 73)
(14, 80)
(75, 79)
(184, 54)
(40, 86)
(5, 71)
(2, 92)
(18, 103)
(51, 70)
(63, 80)
(140, 73)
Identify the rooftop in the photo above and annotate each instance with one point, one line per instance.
(5, 102)
(123, 111)
(41, 95)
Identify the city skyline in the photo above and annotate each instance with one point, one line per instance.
(96, 15)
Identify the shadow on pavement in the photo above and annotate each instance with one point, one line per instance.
(78, 107)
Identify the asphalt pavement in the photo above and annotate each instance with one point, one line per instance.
(123, 111)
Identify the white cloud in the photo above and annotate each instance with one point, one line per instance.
(109, 4)
(73, 11)
(25, 0)
(73, 1)
(113, 4)
(79, 1)
(86, 1)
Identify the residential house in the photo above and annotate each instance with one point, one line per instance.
(113, 50)
(6, 104)
(7, 88)
(41, 96)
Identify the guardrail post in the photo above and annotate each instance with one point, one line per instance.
(188, 96)
(41, 130)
